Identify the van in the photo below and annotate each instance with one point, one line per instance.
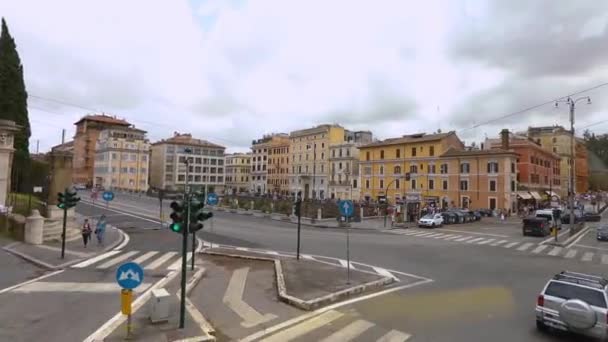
(553, 217)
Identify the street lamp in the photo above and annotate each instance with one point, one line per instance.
(572, 107)
(386, 196)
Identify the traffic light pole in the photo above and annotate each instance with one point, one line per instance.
(299, 212)
(65, 220)
(193, 248)
(182, 306)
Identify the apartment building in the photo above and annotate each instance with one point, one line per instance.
(122, 159)
(238, 170)
(344, 180)
(261, 149)
(87, 134)
(168, 164)
(278, 165)
(309, 153)
(557, 139)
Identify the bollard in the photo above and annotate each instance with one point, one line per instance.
(319, 214)
(34, 225)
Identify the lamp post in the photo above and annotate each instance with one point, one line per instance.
(386, 197)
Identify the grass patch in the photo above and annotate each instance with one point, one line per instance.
(21, 203)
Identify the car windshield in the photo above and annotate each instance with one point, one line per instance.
(429, 216)
(570, 291)
(603, 229)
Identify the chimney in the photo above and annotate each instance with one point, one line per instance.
(504, 137)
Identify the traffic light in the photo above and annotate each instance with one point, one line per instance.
(197, 215)
(297, 206)
(67, 199)
(61, 202)
(177, 217)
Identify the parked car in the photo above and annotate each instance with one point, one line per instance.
(459, 216)
(466, 213)
(578, 216)
(602, 233)
(574, 302)
(79, 187)
(535, 225)
(477, 215)
(552, 216)
(592, 217)
(431, 220)
(449, 217)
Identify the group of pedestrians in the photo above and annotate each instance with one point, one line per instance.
(100, 230)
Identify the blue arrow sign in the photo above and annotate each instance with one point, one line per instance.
(212, 199)
(346, 207)
(129, 275)
(108, 196)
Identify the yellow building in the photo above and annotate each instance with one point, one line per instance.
(122, 159)
(262, 169)
(309, 153)
(384, 165)
(238, 170)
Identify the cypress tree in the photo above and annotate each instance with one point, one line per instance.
(13, 103)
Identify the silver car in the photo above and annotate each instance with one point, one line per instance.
(574, 302)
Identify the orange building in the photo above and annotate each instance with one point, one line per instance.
(581, 166)
(85, 140)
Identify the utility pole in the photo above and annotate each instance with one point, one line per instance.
(63, 136)
(298, 212)
(182, 308)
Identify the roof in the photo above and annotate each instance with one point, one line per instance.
(103, 119)
(518, 142)
(187, 139)
(452, 152)
(419, 137)
(68, 146)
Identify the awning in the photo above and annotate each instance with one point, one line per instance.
(535, 195)
(551, 193)
(524, 195)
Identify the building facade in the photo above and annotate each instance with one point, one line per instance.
(238, 170)
(260, 151)
(122, 159)
(309, 153)
(87, 134)
(386, 165)
(557, 139)
(278, 165)
(168, 164)
(344, 182)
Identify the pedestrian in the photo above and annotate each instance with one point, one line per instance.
(86, 232)
(100, 230)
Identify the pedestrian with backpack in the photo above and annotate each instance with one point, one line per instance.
(100, 229)
(86, 232)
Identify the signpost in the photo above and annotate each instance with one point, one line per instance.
(298, 211)
(108, 196)
(347, 208)
(212, 199)
(128, 276)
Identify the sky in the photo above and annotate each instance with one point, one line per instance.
(230, 71)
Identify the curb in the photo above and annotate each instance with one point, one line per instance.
(31, 259)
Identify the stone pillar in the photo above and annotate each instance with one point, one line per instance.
(34, 228)
(251, 205)
(7, 132)
(319, 214)
(60, 163)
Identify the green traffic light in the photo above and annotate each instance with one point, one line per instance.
(61, 205)
(176, 227)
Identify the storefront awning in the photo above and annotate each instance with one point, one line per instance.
(551, 193)
(524, 195)
(535, 195)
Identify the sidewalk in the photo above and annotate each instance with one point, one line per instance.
(48, 255)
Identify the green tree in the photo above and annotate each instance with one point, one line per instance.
(13, 105)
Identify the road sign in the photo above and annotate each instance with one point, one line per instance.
(346, 208)
(108, 196)
(37, 189)
(129, 275)
(212, 199)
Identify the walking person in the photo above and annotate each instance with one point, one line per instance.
(100, 230)
(86, 232)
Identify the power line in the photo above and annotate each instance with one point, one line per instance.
(594, 124)
(533, 107)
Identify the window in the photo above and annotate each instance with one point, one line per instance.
(397, 184)
(512, 185)
(322, 155)
(532, 159)
(555, 150)
(397, 169)
(114, 156)
(144, 158)
(168, 177)
(464, 185)
(432, 168)
(354, 183)
(492, 167)
(367, 155)
(431, 151)
(348, 152)
(554, 140)
(566, 292)
(382, 184)
(546, 180)
(445, 184)
(465, 168)
(413, 169)
(443, 168)
(381, 154)
(168, 168)
(181, 178)
(381, 169)
(143, 170)
(431, 184)
(367, 170)
(413, 151)
(397, 153)
(367, 183)
(492, 185)
(413, 184)
(512, 167)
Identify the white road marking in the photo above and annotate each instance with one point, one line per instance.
(452, 237)
(30, 281)
(177, 264)
(474, 233)
(445, 236)
(525, 246)
(242, 249)
(118, 259)
(555, 251)
(42, 286)
(485, 241)
(349, 332)
(394, 336)
(604, 259)
(475, 240)
(124, 242)
(145, 257)
(95, 259)
(304, 327)
(424, 234)
(464, 238)
(384, 272)
(509, 245)
(435, 235)
(571, 253)
(161, 260)
(343, 263)
(539, 249)
(576, 239)
(307, 257)
(233, 298)
(498, 243)
(271, 252)
(587, 256)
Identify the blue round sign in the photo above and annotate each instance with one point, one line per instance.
(129, 275)
(347, 208)
(212, 199)
(108, 196)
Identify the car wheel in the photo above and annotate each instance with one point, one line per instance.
(541, 326)
(433, 225)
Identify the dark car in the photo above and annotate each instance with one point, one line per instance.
(449, 217)
(459, 215)
(578, 216)
(537, 226)
(602, 233)
(477, 215)
(468, 215)
(592, 217)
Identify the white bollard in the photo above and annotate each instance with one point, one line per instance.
(33, 228)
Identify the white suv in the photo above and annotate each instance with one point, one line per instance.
(574, 302)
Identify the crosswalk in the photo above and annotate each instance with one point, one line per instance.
(533, 248)
(149, 260)
(336, 326)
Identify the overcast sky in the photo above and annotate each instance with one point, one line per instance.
(230, 71)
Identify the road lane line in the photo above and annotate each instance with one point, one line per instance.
(464, 238)
(498, 243)
(539, 249)
(343, 263)
(604, 259)
(30, 281)
(475, 240)
(485, 241)
(271, 252)
(445, 236)
(124, 242)
(177, 264)
(525, 246)
(242, 249)
(145, 257)
(453, 237)
(307, 257)
(349, 332)
(587, 256)
(394, 336)
(435, 235)
(576, 239)
(385, 272)
(424, 234)
(474, 233)
(304, 327)
(509, 245)
(161, 260)
(233, 298)
(555, 251)
(571, 253)
(42, 286)
(118, 259)
(95, 259)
